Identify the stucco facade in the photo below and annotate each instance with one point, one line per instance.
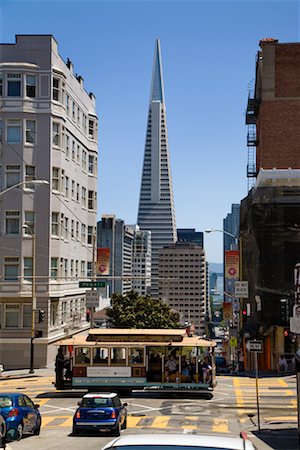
(49, 132)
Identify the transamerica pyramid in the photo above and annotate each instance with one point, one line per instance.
(156, 205)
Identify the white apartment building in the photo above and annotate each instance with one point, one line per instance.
(48, 132)
(182, 282)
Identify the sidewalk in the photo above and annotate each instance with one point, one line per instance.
(24, 373)
(275, 436)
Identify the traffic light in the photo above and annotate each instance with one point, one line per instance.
(244, 311)
(286, 332)
(41, 315)
(284, 310)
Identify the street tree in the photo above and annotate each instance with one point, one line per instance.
(134, 311)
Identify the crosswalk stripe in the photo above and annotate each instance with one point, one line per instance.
(281, 419)
(216, 424)
(220, 425)
(160, 422)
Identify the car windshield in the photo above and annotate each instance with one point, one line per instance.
(168, 447)
(95, 402)
(5, 401)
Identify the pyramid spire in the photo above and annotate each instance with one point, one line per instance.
(157, 84)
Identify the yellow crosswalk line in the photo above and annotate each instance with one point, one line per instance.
(47, 419)
(132, 421)
(41, 401)
(220, 425)
(281, 419)
(67, 423)
(160, 422)
(192, 417)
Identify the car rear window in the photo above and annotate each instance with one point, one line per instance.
(95, 402)
(5, 401)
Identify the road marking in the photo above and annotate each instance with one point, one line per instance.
(291, 419)
(220, 425)
(160, 422)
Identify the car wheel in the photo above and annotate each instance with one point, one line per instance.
(117, 431)
(20, 431)
(37, 429)
(124, 424)
(75, 430)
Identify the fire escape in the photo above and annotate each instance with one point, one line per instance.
(252, 141)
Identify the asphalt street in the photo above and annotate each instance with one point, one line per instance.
(231, 410)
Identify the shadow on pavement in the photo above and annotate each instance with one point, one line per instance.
(279, 439)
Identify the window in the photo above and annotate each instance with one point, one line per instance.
(91, 129)
(63, 312)
(13, 85)
(30, 86)
(136, 356)
(118, 356)
(11, 269)
(67, 187)
(12, 222)
(30, 222)
(13, 131)
(55, 178)
(13, 175)
(30, 132)
(54, 313)
(77, 230)
(73, 111)
(83, 197)
(54, 268)
(82, 269)
(89, 271)
(91, 164)
(27, 315)
(1, 84)
(84, 160)
(67, 146)
(56, 89)
(91, 202)
(67, 104)
(78, 115)
(76, 268)
(84, 119)
(77, 192)
(73, 189)
(12, 315)
(66, 268)
(90, 235)
(72, 267)
(72, 228)
(28, 269)
(54, 227)
(100, 356)
(83, 233)
(56, 134)
(29, 176)
(73, 150)
(78, 153)
(66, 228)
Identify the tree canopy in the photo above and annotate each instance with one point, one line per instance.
(134, 311)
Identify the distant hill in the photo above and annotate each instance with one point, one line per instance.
(216, 267)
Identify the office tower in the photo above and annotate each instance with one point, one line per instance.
(190, 235)
(49, 132)
(112, 233)
(182, 282)
(141, 269)
(156, 205)
(231, 224)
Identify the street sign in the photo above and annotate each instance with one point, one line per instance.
(241, 289)
(92, 299)
(92, 284)
(254, 346)
(233, 342)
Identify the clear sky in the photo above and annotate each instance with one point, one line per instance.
(208, 51)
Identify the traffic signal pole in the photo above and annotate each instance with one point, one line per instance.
(31, 370)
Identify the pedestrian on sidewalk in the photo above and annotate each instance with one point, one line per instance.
(241, 361)
(59, 369)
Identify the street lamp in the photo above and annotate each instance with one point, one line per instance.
(212, 230)
(23, 183)
(35, 183)
(31, 370)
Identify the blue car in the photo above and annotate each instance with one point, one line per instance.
(20, 413)
(100, 412)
